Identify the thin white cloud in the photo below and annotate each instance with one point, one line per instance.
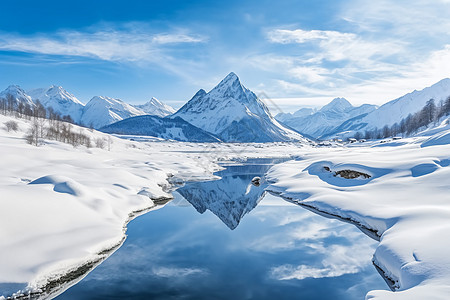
(108, 45)
(285, 36)
(408, 20)
(378, 89)
(372, 65)
(176, 38)
(336, 46)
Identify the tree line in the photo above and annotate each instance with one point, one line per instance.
(47, 124)
(429, 114)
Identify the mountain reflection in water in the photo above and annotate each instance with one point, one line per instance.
(232, 196)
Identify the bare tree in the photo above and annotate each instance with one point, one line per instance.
(100, 143)
(11, 125)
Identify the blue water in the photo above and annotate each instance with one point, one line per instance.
(227, 239)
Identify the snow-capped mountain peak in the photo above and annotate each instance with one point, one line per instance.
(231, 87)
(234, 114)
(156, 108)
(320, 123)
(59, 100)
(18, 94)
(101, 111)
(337, 104)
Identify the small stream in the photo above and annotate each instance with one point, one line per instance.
(229, 239)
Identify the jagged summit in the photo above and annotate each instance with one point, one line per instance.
(232, 87)
(234, 114)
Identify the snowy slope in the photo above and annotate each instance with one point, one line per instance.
(169, 129)
(405, 202)
(398, 109)
(234, 114)
(101, 111)
(19, 95)
(324, 121)
(155, 107)
(60, 100)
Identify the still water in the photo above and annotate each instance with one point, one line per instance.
(228, 239)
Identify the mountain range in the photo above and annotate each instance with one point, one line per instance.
(98, 112)
(230, 113)
(319, 123)
(340, 119)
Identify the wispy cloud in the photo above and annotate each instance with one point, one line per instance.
(285, 36)
(109, 45)
(336, 46)
(375, 52)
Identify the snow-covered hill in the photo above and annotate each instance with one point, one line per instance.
(169, 129)
(155, 107)
(320, 123)
(396, 110)
(101, 111)
(60, 100)
(18, 94)
(234, 114)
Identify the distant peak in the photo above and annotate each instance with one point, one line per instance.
(13, 87)
(340, 100)
(337, 104)
(153, 101)
(56, 87)
(445, 81)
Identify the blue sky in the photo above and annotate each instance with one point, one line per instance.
(297, 53)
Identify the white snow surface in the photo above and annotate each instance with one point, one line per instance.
(101, 111)
(406, 201)
(61, 206)
(60, 100)
(155, 107)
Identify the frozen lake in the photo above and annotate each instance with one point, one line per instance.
(228, 239)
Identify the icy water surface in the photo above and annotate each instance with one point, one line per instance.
(227, 239)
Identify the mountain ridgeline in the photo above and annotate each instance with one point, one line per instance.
(98, 112)
(232, 113)
(340, 119)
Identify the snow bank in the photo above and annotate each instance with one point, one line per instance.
(405, 201)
